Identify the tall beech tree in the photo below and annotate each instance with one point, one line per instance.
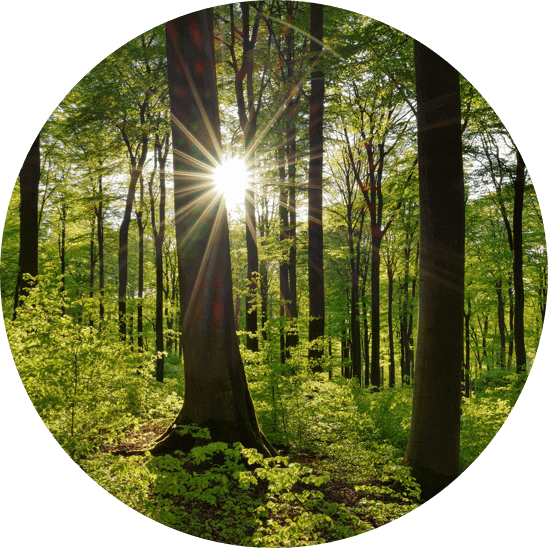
(161, 148)
(433, 446)
(517, 226)
(216, 390)
(29, 180)
(316, 326)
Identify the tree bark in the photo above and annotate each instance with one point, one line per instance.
(216, 391)
(159, 232)
(392, 365)
(29, 180)
(434, 437)
(519, 327)
(141, 265)
(316, 293)
(100, 250)
(284, 264)
(136, 170)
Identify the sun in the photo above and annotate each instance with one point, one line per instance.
(231, 180)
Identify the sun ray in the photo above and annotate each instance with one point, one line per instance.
(205, 259)
(232, 179)
(205, 117)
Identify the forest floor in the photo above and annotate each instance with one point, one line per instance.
(301, 499)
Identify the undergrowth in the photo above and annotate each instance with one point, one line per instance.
(338, 472)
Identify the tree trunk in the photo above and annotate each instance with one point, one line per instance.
(62, 242)
(315, 226)
(392, 366)
(502, 325)
(216, 391)
(136, 170)
(141, 266)
(285, 296)
(293, 334)
(101, 252)
(29, 179)
(467, 352)
(519, 327)
(158, 250)
(375, 313)
(92, 261)
(434, 437)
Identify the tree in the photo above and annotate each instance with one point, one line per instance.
(216, 391)
(517, 227)
(29, 180)
(434, 437)
(161, 148)
(315, 227)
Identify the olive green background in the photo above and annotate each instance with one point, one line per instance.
(47, 48)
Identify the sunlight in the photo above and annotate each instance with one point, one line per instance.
(231, 179)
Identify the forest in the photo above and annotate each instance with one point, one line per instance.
(255, 376)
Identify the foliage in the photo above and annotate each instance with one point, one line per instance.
(86, 385)
(235, 495)
(485, 413)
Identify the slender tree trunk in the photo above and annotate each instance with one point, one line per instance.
(434, 437)
(375, 313)
(92, 261)
(511, 325)
(293, 335)
(29, 180)
(159, 233)
(467, 354)
(141, 266)
(101, 252)
(216, 391)
(63, 254)
(365, 333)
(411, 358)
(502, 325)
(519, 327)
(392, 366)
(315, 226)
(285, 296)
(355, 343)
(345, 354)
(136, 170)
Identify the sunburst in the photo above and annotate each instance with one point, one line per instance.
(231, 179)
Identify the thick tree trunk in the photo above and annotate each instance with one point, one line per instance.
(433, 446)
(316, 327)
(216, 391)
(519, 327)
(29, 179)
